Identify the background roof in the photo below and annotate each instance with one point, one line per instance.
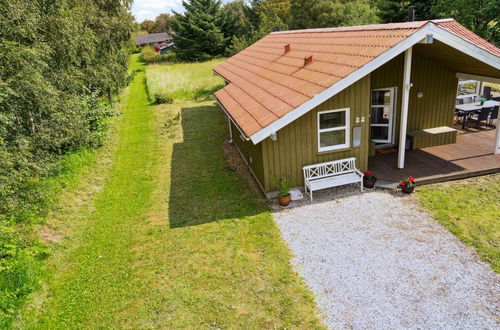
(142, 39)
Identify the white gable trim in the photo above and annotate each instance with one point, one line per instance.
(439, 33)
(465, 46)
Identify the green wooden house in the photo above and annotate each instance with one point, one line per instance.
(297, 98)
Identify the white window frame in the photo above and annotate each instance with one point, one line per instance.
(346, 128)
(477, 90)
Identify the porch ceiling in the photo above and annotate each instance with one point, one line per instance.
(455, 59)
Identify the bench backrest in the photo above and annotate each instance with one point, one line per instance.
(329, 169)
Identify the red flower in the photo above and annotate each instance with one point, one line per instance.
(402, 183)
(368, 172)
(411, 179)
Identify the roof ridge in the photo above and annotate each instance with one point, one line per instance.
(383, 26)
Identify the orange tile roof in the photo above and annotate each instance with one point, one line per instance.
(266, 82)
(456, 28)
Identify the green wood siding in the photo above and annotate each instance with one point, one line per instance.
(297, 143)
(436, 108)
(251, 153)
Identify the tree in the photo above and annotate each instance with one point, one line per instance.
(236, 14)
(201, 30)
(59, 60)
(148, 26)
(267, 16)
(481, 17)
(277, 10)
(397, 10)
(164, 23)
(331, 13)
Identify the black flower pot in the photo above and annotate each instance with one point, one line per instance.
(407, 189)
(369, 183)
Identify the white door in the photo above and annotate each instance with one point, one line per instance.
(382, 115)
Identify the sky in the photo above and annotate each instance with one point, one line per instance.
(149, 9)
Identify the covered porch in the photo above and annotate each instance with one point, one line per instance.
(427, 143)
(471, 155)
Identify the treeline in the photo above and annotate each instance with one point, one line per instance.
(208, 29)
(162, 23)
(59, 63)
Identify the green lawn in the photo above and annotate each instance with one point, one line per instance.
(184, 81)
(470, 209)
(167, 236)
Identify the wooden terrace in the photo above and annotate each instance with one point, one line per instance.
(472, 155)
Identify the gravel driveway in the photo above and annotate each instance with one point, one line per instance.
(375, 261)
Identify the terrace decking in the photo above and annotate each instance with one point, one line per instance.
(472, 155)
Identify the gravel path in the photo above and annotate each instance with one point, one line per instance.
(375, 261)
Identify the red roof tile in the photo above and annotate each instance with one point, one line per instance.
(267, 82)
(461, 31)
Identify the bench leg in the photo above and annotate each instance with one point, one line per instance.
(361, 184)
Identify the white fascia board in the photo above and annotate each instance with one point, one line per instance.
(341, 85)
(465, 46)
(476, 78)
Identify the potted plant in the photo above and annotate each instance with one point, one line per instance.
(369, 179)
(284, 186)
(408, 185)
(483, 99)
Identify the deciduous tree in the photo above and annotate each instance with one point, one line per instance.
(331, 13)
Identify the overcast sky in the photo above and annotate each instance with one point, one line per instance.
(149, 9)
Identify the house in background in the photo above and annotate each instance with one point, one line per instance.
(297, 98)
(152, 38)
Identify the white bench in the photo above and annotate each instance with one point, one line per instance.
(331, 174)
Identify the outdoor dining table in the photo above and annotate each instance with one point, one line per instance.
(470, 108)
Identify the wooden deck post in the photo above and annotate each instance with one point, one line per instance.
(404, 107)
(230, 130)
(497, 140)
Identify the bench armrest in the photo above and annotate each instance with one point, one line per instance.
(358, 172)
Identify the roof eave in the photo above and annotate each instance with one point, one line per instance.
(231, 118)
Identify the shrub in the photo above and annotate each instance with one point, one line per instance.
(162, 99)
(149, 56)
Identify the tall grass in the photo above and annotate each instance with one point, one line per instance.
(21, 252)
(183, 80)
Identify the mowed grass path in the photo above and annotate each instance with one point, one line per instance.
(174, 239)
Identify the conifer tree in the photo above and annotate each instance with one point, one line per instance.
(201, 30)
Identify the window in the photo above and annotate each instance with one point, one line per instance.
(333, 129)
(468, 87)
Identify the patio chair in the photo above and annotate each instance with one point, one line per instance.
(482, 115)
(459, 114)
(493, 115)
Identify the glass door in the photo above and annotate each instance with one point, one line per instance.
(382, 115)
